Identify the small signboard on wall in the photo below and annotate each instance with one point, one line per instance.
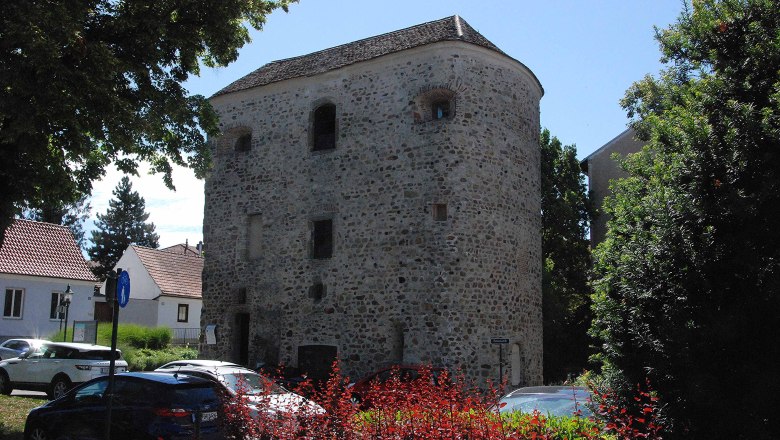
(85, 331)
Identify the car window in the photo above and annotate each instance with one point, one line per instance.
(97, 355)
(91, 393)
(133, 392)
(193, 395)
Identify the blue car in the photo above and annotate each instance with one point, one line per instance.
(145, 406)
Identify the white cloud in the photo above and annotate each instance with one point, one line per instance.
(177, 215)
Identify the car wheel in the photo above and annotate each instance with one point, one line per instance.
(5, 383)
(37, 433)
(59, 386)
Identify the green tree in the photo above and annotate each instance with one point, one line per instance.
(565, 248)
(689, 274)
(123, 224)
(73, 215)
(84, 83)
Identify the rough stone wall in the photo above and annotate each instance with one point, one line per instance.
(400, 286)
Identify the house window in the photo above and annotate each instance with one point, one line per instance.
(324, 128)
(13, 303)
(440, 212)
(440, 109)
(56, 300)
(184, 313)
(244, 142)
(322, 239)
(242, 295)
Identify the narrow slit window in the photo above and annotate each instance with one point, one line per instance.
(242, 295)
(322, 239)
(440, 212)
(324, 128)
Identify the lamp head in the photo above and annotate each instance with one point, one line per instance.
(68, 295)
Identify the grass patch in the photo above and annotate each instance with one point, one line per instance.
(13, 413)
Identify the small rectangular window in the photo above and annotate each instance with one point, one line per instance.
(13, 303)
(440, 212)
(184, 313)
(322, 239)
(56, 300)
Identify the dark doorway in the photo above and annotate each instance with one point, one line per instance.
(316, 360)
(102, 312)
(242, 338)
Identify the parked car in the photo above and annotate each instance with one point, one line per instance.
(55, 367)
(261, 392)
(16, 347)
(197, 363)
(548, 400)
(380, 382)
(145, 406)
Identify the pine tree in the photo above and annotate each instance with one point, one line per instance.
(123, 224)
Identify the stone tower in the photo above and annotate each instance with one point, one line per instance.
(379, 202)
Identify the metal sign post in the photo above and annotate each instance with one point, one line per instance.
(118, 293)
(501, 342)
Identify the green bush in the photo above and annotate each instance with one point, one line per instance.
(136, 336)
(145, 359)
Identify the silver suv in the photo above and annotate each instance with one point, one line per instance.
(55, 367)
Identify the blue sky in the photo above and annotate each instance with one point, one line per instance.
(585, 53)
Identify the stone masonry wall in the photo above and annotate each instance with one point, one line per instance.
(400, 286)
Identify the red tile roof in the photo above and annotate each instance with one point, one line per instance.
(174, 274)
(182, 249)
(42, 250)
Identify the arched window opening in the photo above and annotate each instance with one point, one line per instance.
(244, 142)
(436, 104)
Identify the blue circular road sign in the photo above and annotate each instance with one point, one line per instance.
(123, 289)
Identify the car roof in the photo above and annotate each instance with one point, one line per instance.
(29, 341)
(224, 369)
(197, 363)
(551, 389)
(165, 378)
(78, 346)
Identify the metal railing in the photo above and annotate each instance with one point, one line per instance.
(185, 336)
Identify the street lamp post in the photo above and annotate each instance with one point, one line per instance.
(65, 304)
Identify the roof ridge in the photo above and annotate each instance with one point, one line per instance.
(362, 40)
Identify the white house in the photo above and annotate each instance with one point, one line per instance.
(165, 289)
(38, 261)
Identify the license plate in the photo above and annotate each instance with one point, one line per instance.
(208, 416)
(105, 370)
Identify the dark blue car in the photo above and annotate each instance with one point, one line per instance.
(145, 406)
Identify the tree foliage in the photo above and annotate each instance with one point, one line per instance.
(123, 224)
(86, 83)
(566, 212)
(688, 279)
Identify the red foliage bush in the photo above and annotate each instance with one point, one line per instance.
(446, 408)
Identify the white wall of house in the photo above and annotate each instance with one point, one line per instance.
(35, 320)
(169, 312)
(141, 284)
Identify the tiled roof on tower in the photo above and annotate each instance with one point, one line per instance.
(447, 29)
(43, 250)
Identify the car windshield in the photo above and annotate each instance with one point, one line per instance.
(250, 383)
(558, 404)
